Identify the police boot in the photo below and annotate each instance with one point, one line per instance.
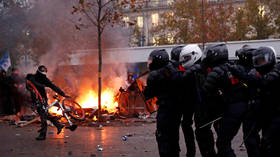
(41, 137)
(59, 128)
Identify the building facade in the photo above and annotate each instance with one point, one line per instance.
(146, 15)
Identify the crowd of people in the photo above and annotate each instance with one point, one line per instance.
(194, 86)
(12, 89)
(211, 91)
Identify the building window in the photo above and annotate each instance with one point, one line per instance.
(169, 2)
(155, 19)
(140, 21)
(261, 10)
(126, 20)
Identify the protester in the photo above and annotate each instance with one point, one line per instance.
(40, 81)
(17, 97)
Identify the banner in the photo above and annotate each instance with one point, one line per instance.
(5, 62)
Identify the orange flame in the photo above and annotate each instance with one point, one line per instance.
(55, 110)
(90, 100)
(94, 118)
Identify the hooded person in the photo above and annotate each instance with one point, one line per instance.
(162, 83)
(40, 81)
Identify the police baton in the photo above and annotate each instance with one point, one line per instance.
(210, 122)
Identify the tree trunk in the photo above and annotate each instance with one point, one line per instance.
(100, 61)
(202, 24)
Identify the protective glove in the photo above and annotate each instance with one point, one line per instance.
(192, 70)
(235, 70)
(121, 90)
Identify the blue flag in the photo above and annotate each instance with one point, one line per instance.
(5, 62)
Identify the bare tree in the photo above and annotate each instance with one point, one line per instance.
(100, 14)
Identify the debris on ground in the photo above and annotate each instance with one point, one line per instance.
(129, 134)
(99, 148)
(124, 138)
(100, 127)
(20, 122)
(14, 118)
(37, 119)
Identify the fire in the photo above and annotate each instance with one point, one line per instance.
(94, 118)
(55, 110)
(90, 100)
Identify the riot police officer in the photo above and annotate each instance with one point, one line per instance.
(189, 57)
(264, 60)
(162, 83)
(233, 93)
(175, 54)
(250, 127)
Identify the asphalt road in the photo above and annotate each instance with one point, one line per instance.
(20, 142)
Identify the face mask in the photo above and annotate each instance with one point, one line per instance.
(44, 73)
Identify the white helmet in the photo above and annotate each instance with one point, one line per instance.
(190, 54)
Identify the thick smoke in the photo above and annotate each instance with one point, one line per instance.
(54, 21)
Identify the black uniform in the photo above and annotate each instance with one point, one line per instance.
(235, 106)
(17, 99)
(250, 126)
(188, 97)
(4, 94)
(271, 111)
(206, 110)
(269, 83)
(41, 81)
(161, 83)
(190, 101)
(220, 80)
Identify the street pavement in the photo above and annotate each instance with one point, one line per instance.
(141, 142)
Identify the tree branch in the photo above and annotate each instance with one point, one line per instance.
(107, 3)
(93, 13)
(90, 19)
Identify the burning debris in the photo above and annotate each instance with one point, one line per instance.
(126, 102)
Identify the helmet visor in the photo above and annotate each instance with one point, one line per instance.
(186, 58)
(260, 60)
